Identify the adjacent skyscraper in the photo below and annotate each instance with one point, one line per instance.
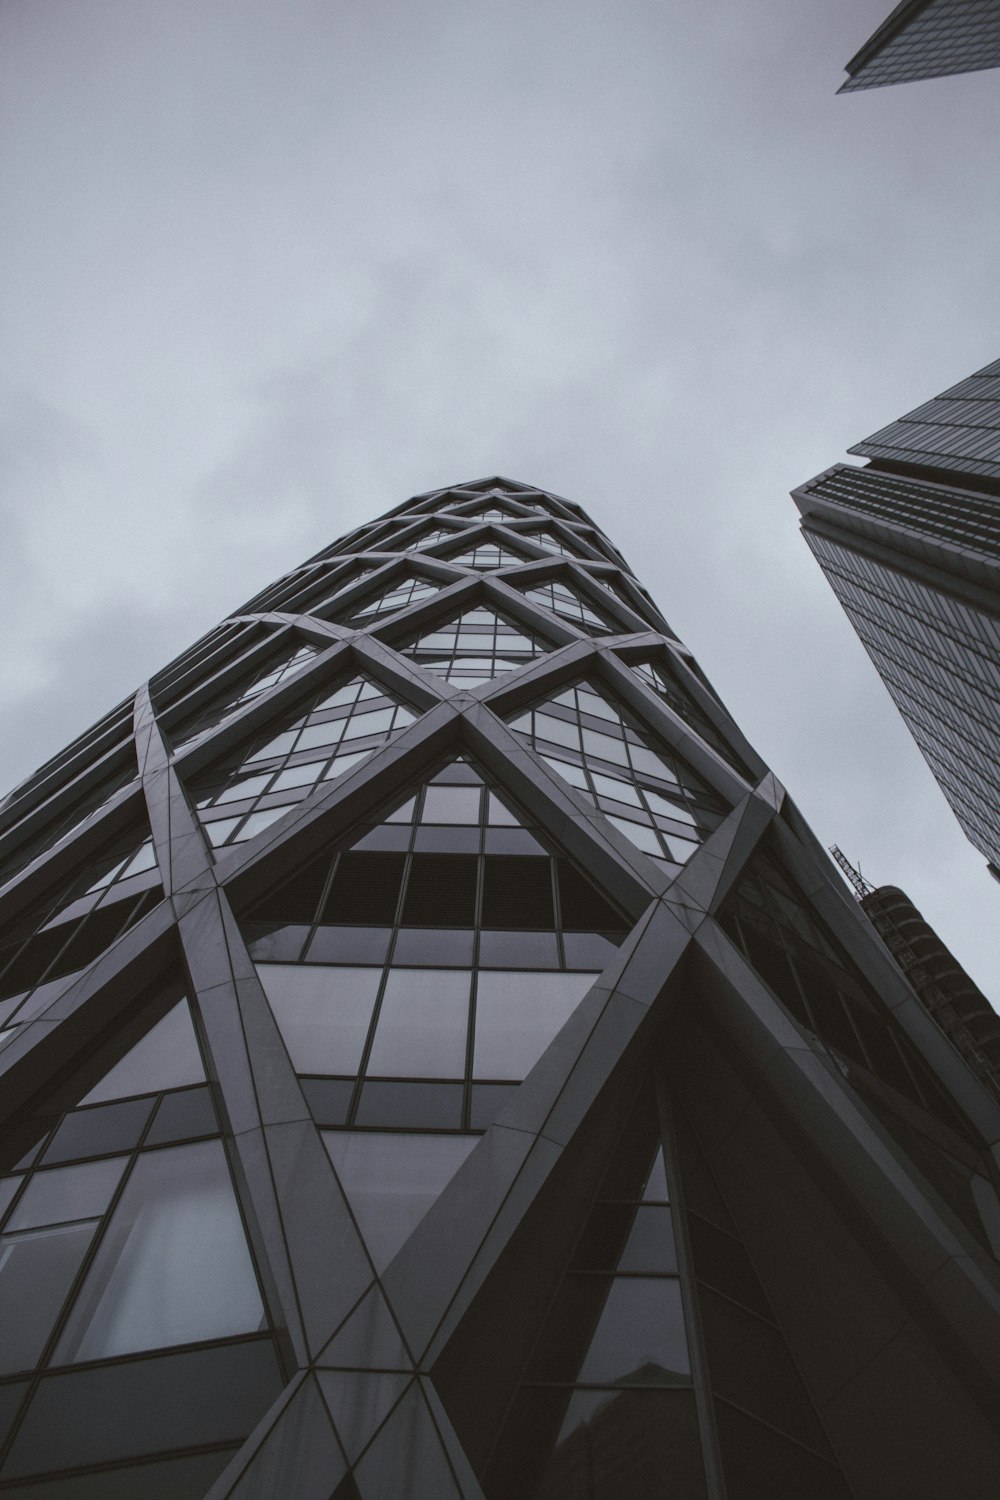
(927, 39)
(440, 1062)
(911, 547)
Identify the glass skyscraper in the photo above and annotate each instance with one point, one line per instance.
(438, 1061)
(911, 546)
(928, 39)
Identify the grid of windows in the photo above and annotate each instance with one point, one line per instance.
(940, 659)
(404, 593)
(928, 39)
(62, 825)
(268, 676)
(786, 945)
(120, 1235)
(477, 646)
(969, 521)
(657, 677)
(487, 555)
(429, 538)
(418, 975)
(553, 543)
(605, 1402)
(250, 789)
(648, 794)
(64, 932)
(491, 513)
(568, 605)
(771, 1439)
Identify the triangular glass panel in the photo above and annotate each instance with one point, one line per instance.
(391, 1179)
(491, 513)
(564, 601)
(657, 676)
(407, 591)
(61, 825)
(553, 543)
(790, 948)
(419, 973)
(60, 934)
(477, 646)
(256, 784)
(643, 788)
(428, 539)
(610, 1357)
(120, 1231)
(487, 555)
(279, 667)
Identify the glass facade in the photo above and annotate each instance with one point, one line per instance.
(915, 562)
(928, 39)
(476, 646)
(645, 792)
(259, 783)
(438, 1143)
(121, 1237)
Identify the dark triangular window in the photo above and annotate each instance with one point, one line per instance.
(420, 972)
(61, 825)
(428, 539)
(407, 591)
(788, 945)
(61, 934)
(553, 543)
(657, 676)
(564, 601)
(606, 1391)
(268, 675)
(120, 1235)
(240, 796)
(643, 788)
(487, 555)
(478, 645)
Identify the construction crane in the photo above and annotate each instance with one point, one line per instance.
(861, 886)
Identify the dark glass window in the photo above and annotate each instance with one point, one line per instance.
(256, 784)
(475, 964)
(643, 788)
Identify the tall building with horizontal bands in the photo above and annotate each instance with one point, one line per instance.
(440, 1062)
(911, 546)
(927, 39)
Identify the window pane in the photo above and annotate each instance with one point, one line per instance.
(400, 1104)
(303, 775)
(451, 804)
(328, 733)
(323, 1013)
(640, 1332)
(518, 1014)
(392, 1180)
(167, 1057)
(65, 1193)
(37, 1269)
(173, 1266)
(99, 1130)
(422, 1024)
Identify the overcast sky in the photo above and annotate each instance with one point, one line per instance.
(269, 268)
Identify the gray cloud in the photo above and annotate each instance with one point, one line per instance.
(271, 269)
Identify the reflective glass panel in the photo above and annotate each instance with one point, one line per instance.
(423, 1024)
(518, 1014)
(392, 1180)
(173, 1266)
(167, 1057)
(323, 1013)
